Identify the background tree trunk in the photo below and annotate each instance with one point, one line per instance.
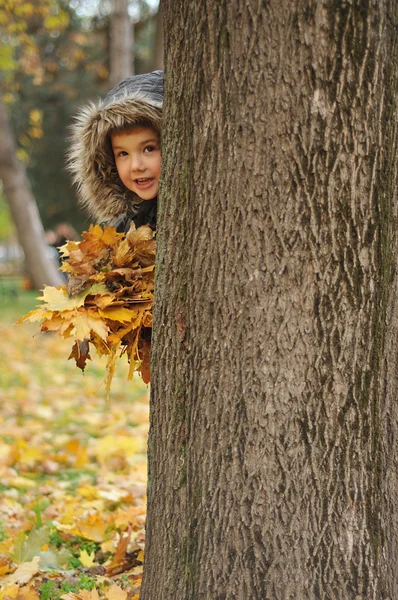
(121, 43)
(273, 441)
(42, 271)
(159, 39)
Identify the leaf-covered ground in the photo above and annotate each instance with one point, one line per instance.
(72, 470)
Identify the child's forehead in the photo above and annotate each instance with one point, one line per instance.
(135, 130)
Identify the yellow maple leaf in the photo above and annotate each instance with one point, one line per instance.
(96, 238)
(86, 321)
(24, 573)
(27, 593)
(130, 514)
(37, 314)
(81, 595)
(58, 298)
(124, 315)
(9, 591)
(116, 593)
(103, 300)
(109, 445)
(88, 595)
(68, 248)
(78, 452)
(108, 546)
(93, 527)
(30, 455)
(87, 560)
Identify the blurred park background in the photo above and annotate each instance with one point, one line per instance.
(56, 56)
(67, 454)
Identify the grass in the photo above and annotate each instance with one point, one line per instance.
(15, 301)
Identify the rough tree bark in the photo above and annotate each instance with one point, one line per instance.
(273, 443)
(121, 43)
(24, 211)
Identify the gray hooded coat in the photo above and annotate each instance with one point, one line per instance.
(136, 100)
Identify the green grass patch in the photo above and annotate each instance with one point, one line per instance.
(14, 300)
(54, 589)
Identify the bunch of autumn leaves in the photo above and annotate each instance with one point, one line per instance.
(107, 302)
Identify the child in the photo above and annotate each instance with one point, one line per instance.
(115, 157)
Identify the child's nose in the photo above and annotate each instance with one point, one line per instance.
(136, 163)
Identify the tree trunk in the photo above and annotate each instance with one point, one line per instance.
(159, 41)
(121, 43)
(273, 454)
(24, 210)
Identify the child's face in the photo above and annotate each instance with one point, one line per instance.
(138, 160)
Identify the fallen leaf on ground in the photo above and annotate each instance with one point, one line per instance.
(24, 572)
(116, 593)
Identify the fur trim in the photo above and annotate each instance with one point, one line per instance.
(91, 161)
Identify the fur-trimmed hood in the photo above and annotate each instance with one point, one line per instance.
(137, 99)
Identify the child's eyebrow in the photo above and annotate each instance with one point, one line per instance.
(151, 140)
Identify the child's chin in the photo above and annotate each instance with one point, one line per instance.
(149, 196)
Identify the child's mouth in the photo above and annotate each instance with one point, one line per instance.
(144, 182)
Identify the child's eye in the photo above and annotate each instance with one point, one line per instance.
(122, 153)
(149, 148)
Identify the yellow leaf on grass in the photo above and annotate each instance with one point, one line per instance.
(130, 514)
(108, 546)
(22, 483)
(87, 595)
(81, 595)
(27, 593)
(116, 593)
(110, 445)
(81, 457)
(92, 527)
(10, 591)
(30, 455)
(24, 573)
(87, 560)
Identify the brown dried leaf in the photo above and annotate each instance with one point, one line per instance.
(81, 353)
(123, 254)
(5, 564)
(77, 284)
(118, 562)
(145, 367)
(142, 242)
